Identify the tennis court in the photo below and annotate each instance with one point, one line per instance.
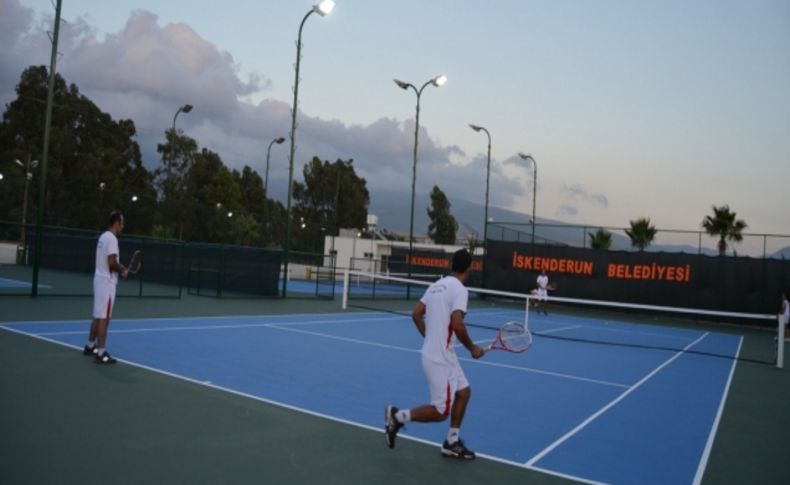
(566, 408)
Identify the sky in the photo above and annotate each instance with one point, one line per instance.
(630, 109)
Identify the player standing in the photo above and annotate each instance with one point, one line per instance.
(105, 279)
(439, 317)
(542, 291)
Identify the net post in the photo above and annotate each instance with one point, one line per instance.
(526, 313)
(780, 341)
(345, 289)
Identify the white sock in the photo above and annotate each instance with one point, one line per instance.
(91, 343)
(99, 351)
(452, 435)
(403, 416)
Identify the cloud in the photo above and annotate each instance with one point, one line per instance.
(578, 193)
(567, 210)
(146, 71)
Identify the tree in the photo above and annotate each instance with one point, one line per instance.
(332, 196)
(724, 225)
(178, 155)
(95, 165)
(641, 233)
(443, 225)
(600, 239)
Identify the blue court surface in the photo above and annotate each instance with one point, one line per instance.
(590, 412)
(9, 283)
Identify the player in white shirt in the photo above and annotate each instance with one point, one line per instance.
(105, 279)
(439, 317)
(542, 291)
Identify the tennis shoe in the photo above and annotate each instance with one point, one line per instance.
(104, 358)
(89, 350)
(457, 450)
(391, 425)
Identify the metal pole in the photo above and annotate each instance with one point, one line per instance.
(294, 108)
(534, 197)
(28, 177)
(45, 156)
(437, 81)
(186, 109)
(413, 188)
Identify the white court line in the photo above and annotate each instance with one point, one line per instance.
(481, 362)
(218, 327)
(287, 325)
(619, 398)
(703, 463)
(303, 410)
(561, 329)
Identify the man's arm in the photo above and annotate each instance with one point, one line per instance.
(457, 320)
(112, 262)
(418, 315)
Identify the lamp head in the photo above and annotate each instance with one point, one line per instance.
(439, 80)
(401, 84)
(475, 127)
(279, 140)
(186, 108)
(525, 156)
(324, 7)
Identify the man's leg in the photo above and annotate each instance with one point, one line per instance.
(459, 407)
(101, 332)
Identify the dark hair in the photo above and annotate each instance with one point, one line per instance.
(115, 216)
(461, 261)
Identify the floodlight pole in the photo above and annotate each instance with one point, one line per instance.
(28, 178)
(534, 189)
(437, 81)
(488, 178)
(45, 155)
(322, 8)
(185, 109)
(268, 154)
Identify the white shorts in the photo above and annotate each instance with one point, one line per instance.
(103, 298)
(542, 294)
(444, 379)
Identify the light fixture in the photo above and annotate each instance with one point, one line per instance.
(324, 7)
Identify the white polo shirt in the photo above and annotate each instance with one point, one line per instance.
(441, 299)
(107, 245)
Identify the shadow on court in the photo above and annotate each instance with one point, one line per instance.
(64, 419)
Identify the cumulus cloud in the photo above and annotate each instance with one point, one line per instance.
(578, 193)
(567, 210)
(146, 71)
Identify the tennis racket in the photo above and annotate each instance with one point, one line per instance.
(135, 263)
(512, 337)
(552, 287)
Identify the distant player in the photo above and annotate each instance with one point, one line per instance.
(105, 279)
(439, 317)
(542, 292)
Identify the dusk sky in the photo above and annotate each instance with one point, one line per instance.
(632, 109)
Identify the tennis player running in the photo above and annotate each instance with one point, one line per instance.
(439, 317)
(105, 279)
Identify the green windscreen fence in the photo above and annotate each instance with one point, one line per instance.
(232, 271)
(68, 261)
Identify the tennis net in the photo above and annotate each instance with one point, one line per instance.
(755, 338)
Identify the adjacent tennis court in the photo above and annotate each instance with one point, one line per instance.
(593, 413)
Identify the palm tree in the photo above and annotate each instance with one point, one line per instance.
(641, 233)
(724, 225)
(600, 239)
